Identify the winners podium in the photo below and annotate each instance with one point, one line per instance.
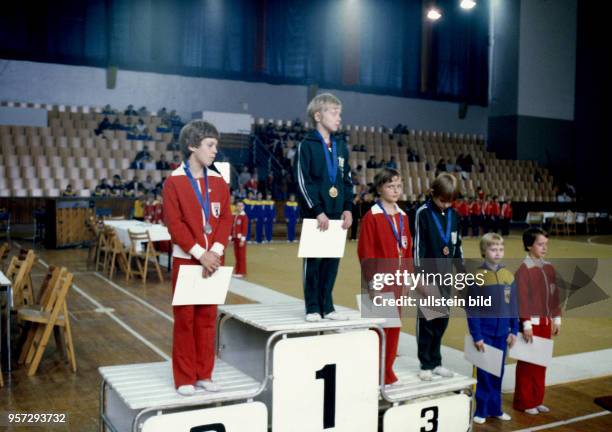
(278, 372)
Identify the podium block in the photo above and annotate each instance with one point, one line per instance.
(139, 395)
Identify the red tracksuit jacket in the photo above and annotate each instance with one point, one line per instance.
(240, 226)
(185, 218)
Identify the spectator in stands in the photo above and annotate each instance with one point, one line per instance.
(142, 111)
(244, 176)
(140, 126)
(164, 126)
(159, 187)
(537, 177)
(460, 160)
(468, 162)
(148, 163)
(371, 163)
(116, 125)
(176, 162)
(104, 124)
(99, 192)
(163, 113)
(240, 193)
(68, 192)
(140, 157)
(481, 167)
(382, 163)
(392, 163)
(172, 145)
(252, 184)
(107, 110)
(117, 185)
(291, 153)
(128, 193)
(129, 111)
(103, 185)
(412, 155)
(163, 164)
(441, 166)
(148, 185)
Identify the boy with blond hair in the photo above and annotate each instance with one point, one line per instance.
(495, 327)
(325, 191)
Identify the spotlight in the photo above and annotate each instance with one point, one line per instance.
(468, 4)
(433, 14)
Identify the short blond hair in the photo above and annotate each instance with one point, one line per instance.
(489, 239)
(320, 103)
(444, 186)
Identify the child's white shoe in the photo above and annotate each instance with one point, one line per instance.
(313, 317)
(479, 420)
(425, 375)
(504, 417)
(443, 372)
(543, 408)
(532, 411)
(335, 316)
(208, 385)
(186, 390)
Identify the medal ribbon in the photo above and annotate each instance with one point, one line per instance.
(204, 203)
(445, 236)
(331, 160)
(398, 236)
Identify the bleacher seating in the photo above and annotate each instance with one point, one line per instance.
(41, 161)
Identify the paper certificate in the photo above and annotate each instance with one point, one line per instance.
(322, 244)
(538, 352)
(193, 289)
(490, 360)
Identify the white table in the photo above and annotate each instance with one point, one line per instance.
(5, 285)
(157, 232)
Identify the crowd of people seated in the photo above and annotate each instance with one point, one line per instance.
(127, 188)
(137, 129)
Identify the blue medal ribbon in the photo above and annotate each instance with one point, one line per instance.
(331, 160)
(398, 236)
(444, 236)
(204, 203)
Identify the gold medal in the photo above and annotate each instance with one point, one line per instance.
(445, 250)
(333, 192)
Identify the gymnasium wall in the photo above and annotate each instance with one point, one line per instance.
(78, 85)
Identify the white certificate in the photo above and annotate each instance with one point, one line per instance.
(322, 244)
(538, 352)
(490, 360)
(193, 289)
(368, 310)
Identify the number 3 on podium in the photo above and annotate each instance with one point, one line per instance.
(326, 383)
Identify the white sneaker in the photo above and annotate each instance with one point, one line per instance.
(479, 420)
(443, 372)
(238, 276)
(543, 408)
(504, 417)
(532, 411)
(186, 390)
(425, 375)
(208, 385)
(335, 316)
(313, 317)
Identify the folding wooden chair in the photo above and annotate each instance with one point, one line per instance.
(570, 222)
(141, 248)
(103, 248)
(557, 224)
(116, 254)
(18, 272)
(95, 231)
(4, 253)
(51, 315)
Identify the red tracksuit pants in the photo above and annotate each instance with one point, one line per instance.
(531, 378)
(240, 255)
(391, 343)
(193, 336)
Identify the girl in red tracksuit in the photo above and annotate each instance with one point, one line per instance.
(239, 235)
(385, 235)
(198, 216)
(540, 315)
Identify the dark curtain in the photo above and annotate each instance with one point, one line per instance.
(303, 41)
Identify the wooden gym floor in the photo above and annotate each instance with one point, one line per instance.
(115, 322)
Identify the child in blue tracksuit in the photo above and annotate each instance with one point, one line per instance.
(495, 326)
(269, 216)
(292, 213)
(259, 212)
(249, 209)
